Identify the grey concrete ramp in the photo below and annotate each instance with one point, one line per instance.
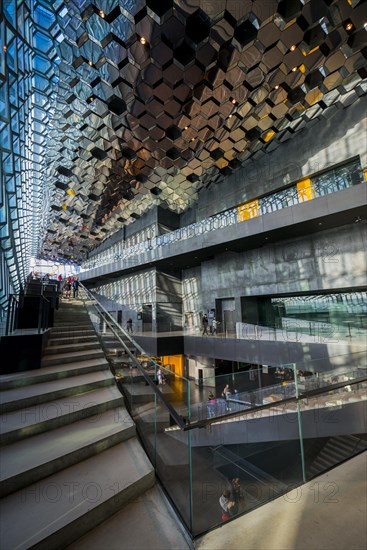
(146, 522)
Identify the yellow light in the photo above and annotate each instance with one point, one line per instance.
(186, 127)
(90, 63)
(349, 26)
(276, 86)
(143, 40)
(71, 192)
(294, 69)
(102, 14)
(269, 135)
(293, 47)
(230, 116)
(234, 101)
(192, 139)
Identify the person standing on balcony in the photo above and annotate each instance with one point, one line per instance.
(205, 324)
(129, 325)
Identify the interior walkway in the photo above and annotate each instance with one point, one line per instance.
(327, 513)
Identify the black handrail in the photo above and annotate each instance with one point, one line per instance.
(43, 314)
(115, 327)
(13, 306)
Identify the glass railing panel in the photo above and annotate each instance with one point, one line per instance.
(248, 459)
(334, 427)
(173, 461)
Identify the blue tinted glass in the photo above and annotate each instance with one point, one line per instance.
(41, 64)
(3, 101)
(42, 42)
(9, 11)
(40, 83)
(43, 17)
(11, 56)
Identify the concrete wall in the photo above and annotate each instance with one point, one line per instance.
(329, 260)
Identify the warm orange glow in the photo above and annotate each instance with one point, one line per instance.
(248, 211)
(175, 363)
(349, 26)
(293, 47)
(143, 40)
(90, 63)
(294, 69)
(305, 190)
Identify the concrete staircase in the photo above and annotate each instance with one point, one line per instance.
(69, 455)
(334, 452)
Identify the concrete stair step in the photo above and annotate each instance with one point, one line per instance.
(37, 457)
(68, 348)
(62, 358)
(35, 394)
(59, 340)
(26, 378)
(161, 528)
(61, 508)
(72, 323)
(29, 421)
(67, 333)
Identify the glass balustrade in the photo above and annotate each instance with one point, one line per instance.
(268, 428)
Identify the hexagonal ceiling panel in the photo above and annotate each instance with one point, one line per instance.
(157, 99)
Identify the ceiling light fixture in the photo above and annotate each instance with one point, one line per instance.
(234, 101)
(230, 116)
(186, 127)
(90, 63)
(102, 14)
(348, 25)
(143, 40)
(294, 69)
(276, 87)
(293, 47)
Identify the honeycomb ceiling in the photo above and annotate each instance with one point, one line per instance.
(156, 99)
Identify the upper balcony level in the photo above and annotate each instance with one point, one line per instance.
(334, 198)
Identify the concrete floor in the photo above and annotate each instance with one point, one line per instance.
(329, 512)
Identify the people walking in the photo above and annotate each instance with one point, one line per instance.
(75, 287)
